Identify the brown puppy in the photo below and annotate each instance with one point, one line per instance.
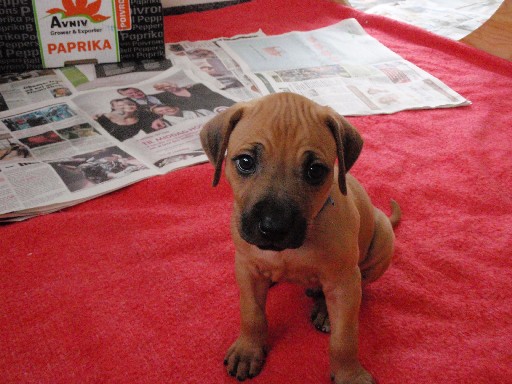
(298, 217)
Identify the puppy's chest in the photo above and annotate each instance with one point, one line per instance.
(286, 266)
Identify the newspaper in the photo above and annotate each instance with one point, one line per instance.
(205, 58)
(213, 64)
(53, 155)
(20, 89)
(343, 67)
(57, 151)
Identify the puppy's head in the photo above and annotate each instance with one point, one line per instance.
(280, 163)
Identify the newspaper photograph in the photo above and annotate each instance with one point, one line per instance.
(343, 67)
(158, 120)
(47, 132)
(90, 169)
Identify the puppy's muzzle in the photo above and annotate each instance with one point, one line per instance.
(274, 225)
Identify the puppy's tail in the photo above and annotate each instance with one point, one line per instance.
(396, 213)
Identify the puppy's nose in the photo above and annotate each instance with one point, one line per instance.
(273, 228)
(273, 224)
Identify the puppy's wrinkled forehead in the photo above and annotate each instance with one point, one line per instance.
(283, 122)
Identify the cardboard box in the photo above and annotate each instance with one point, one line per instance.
(53, 33)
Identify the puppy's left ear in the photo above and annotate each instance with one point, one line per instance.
(349, 144)
(215, 136)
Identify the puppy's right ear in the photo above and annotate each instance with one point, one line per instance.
(215, 136)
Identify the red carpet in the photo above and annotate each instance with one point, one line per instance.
(138, 286)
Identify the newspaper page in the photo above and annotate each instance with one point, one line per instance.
(20, 89)
(211, 63)
(343, 67)
(53, 155)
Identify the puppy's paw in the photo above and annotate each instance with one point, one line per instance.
(360, 376)
(245, 359)
(319, 315)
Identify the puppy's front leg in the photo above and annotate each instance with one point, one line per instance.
(343, 300)
(246, 357)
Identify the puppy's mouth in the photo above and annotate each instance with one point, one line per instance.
(274, 247)
(270, 248)
(274, 226)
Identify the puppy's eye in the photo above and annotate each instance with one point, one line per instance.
(316, 173)
(245, 164)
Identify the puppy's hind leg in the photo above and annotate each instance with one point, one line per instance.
(383, 245)
(372, 267)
